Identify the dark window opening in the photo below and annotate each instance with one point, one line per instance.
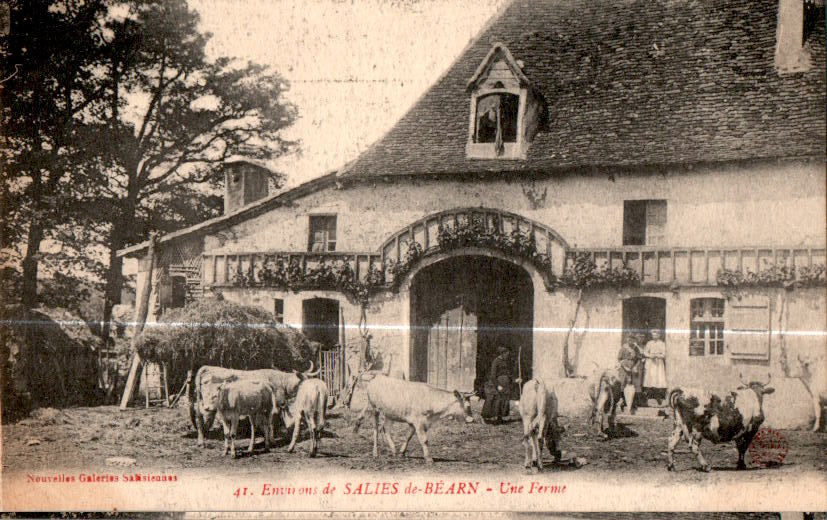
(278, 310)
(322, 234)
(813, 17)
(179, 292)
(320, 321)
(644, 222)
(706, 327)
(496, 116)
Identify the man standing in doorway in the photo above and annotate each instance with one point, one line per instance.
(497, 387)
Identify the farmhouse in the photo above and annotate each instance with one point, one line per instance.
(585, 170)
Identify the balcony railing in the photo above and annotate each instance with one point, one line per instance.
(654, 264)
(223, 269)
(697, 265)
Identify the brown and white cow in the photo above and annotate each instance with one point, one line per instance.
(813, 373)
(254, 399)
(538, 409)
(417, 404)
(699, 414)
(605, 390)
(311, 405)
(205, 385)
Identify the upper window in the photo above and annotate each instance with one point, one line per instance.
(322, 233)
(644, 222)
(496, 119)
(706, 327)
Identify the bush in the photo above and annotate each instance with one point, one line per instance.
(214, 332)
(48, 357)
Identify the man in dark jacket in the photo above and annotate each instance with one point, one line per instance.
(497, 387)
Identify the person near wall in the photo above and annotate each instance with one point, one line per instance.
(654, 354)
(497, 387)
(630, 368)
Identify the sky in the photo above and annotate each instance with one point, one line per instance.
(355, 66)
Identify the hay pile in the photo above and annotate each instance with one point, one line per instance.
(216, 332)
(48, 358)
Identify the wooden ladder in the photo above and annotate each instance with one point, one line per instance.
(162, 389)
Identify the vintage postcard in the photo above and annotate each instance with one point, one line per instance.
(413, 255)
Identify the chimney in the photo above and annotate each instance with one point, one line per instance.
(790, 54)
(244, 182)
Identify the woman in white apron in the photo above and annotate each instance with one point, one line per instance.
(654, 374)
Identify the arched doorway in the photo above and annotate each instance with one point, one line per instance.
(462, 308)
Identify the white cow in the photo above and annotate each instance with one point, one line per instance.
(257, 400)
(204, 390)
(310, 405)
(538, 409)
(417, 404)
(813, 373)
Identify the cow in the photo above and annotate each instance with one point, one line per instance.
(204, 388)
(538, 409)
(736, 418)
(813, 373)
(417, 404)
(310, 405)
(605, 389)
(255, 399)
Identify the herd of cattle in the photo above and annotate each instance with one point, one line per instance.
(268, 396)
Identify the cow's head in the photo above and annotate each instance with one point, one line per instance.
(307, 374)
(465, 405)
(805, 367)
(760, 389)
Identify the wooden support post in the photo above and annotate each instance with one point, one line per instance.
(166, 384)
(342, 343)
(143, 310)
(146, 385)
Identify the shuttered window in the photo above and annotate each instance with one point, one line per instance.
(748, 329)
(644, 222)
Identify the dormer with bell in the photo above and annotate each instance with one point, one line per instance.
(505, 110)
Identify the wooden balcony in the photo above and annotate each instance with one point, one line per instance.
(221, 269)
(697, 265)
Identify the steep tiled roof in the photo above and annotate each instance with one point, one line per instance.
(645, 82)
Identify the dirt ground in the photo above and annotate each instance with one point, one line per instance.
(163, 438)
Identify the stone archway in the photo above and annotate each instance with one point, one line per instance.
(462, 308)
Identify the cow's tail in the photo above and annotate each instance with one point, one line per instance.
(193, 394)
(603, 384)
(321, 411)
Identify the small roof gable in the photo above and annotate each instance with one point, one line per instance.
(498, 52)
(624, 83)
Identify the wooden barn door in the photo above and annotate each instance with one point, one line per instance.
(452, 348)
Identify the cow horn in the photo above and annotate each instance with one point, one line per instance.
(769, 378)
(741, 378)
(310, 373)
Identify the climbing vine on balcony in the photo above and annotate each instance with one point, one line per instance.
(280, 273)
(583, 273)
(472, 233)
(773, 275)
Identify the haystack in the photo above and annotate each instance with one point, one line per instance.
(217, 332)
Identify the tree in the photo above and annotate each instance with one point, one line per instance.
(169, 120)
(48, 61)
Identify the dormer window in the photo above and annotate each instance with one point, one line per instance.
(797, 20)
(504, 110)
(497, 116)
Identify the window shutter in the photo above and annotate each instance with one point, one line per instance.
(655, 222)
(748, 333)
